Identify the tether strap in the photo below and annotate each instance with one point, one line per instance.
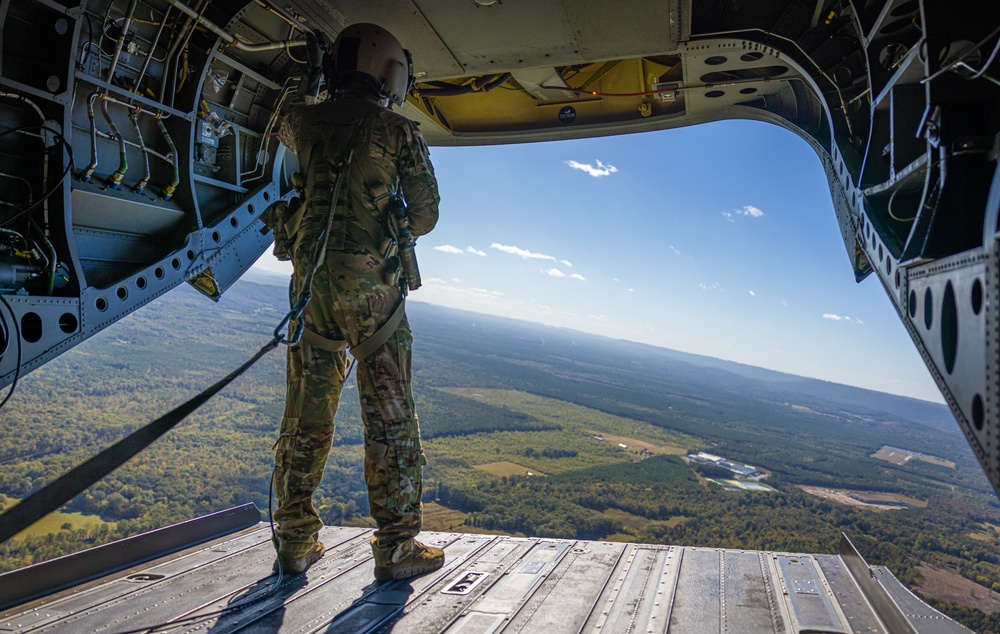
(52, 496)
(366, 347)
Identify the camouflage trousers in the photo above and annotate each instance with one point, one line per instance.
(349, 302)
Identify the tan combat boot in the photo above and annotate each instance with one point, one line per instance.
(409, 559)
(295, 565)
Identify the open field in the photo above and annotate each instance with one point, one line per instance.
(571, 416)
(638, 522)
(898, 456)
(53, 522)
(441, 518)
(951, 586)
(636, 446)
(566, 444)
(504, 468)
(873, 500)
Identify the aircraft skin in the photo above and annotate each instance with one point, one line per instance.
(137, 152)
(138, 147)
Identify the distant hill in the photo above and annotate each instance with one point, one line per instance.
(552, 341)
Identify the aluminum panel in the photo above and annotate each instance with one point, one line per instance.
(698, 597)
(438, 610)
(805, 595)
(389, 599)
(510, 592)
(568, 596)
(639, 593)
(852, 602)
(746, 604)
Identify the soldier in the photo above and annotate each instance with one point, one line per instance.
(356, 297)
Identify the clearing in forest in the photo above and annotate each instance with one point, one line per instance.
(504, 468)
(53, 522)
(953, 587)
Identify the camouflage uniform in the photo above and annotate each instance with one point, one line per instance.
(350, 301)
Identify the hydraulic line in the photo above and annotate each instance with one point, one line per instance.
(231, 39)
(266, 139)
(169, 190)
(152, 47)
(51, 262)
(14, 95)
(129, 13)
(284, 15)
(479, 84)
(177, 40)
(45, 184)
(89, 171)
(140, 187)
(116, 179)
(150, 151)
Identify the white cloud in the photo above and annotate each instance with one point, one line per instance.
(616, 280)
(835, 317)
(475, 251)
(631, 290)
(601, 318)
(577, 276)
(784, 303)
(714, 286)
(447, 248)
(675, 249)
(752, 294)
(596, 171)
(567, 263)
(443, 288)
(554, 272)
(456, 280)
(746, 210)
(523, 253)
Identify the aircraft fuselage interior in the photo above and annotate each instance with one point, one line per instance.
(138, 147)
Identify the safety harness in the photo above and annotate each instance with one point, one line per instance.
(381, 196)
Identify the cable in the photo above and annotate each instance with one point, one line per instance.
(17, 335)
(889, 208)
(54, 188)
(961, 59)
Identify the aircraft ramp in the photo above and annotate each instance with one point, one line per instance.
(489, 583)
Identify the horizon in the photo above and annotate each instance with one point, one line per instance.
(269, 278)
(717, 240)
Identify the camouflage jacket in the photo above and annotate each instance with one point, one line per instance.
(321, 136)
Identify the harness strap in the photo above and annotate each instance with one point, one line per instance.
(317, 340)
(380, 336)
(366, 347)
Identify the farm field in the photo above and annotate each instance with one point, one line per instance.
(55, 522)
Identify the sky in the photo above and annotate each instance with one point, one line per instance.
(718, 239)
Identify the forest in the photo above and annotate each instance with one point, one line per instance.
(601, 425)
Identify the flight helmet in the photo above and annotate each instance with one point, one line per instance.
(372, 52)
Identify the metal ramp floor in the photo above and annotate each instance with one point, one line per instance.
(488, 584)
